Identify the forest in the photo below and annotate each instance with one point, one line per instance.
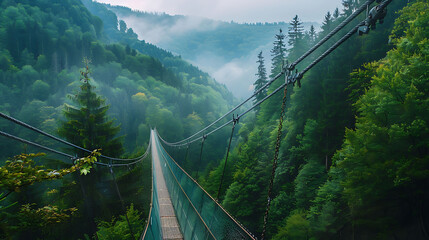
(43, 46)
(353, 157)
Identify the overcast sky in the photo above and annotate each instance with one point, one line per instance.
(237, 10)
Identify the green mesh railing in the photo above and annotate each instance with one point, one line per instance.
(198, 214)
(153, 227)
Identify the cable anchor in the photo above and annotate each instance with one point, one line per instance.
(235, 120)
(376, 13)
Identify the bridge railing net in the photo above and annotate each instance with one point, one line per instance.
(199, 216)
(153, 231)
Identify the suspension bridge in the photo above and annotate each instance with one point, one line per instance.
(180, 207)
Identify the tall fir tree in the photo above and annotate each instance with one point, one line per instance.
(262, 78)
(87, 124)
(278, 53)
(312, 34)
(295, 32)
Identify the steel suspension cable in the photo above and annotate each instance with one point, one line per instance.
(36, 145)
(227, 154)
(16, 121)
(201, 155)
(382, 6)
(333, 32)
(59, 152)
(299, 75)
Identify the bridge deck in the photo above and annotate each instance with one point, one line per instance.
(169, 225)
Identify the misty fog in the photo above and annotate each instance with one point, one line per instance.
(216, 47)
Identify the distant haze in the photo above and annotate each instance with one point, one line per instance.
(249, 11)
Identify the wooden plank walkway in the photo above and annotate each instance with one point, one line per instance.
(169, 225)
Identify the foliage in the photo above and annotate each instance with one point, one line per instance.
(20, 171)
(388, 148)
(45, 216)
(118, 229)
(383, 162)
(278, 53)
(295, 32)
(296, 228)
(327, 22)
(360, 81)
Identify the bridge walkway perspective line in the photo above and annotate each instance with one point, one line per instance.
(169, 226)
(199, 215)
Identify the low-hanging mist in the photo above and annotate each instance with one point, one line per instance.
(226, 50)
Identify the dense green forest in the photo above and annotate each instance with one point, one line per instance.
(353, 160)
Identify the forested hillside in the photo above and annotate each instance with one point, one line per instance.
(43, 45)
(191, 36)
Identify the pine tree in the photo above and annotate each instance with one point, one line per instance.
(295, 31)
(327, 22)
(312, 35)
(87, 125)
(278, 53)
(336, 13)
(262, 79)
